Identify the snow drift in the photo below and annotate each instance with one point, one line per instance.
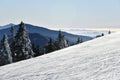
(98, 59)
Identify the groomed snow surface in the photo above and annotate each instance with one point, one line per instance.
(98, 59)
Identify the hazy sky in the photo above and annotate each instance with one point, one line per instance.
(61, 13)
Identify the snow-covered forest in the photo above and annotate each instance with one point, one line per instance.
(17, 45)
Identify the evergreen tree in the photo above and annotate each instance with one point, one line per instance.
(79, 40)
(60, 36)
(68, 43)
(50, 47)
(102, 34)
(12, 33)
(36, 50)
(109, 32)
(12, 40)
(5, 52)
(33, 47)
(22, 44)
(61, 42)
(98, 36)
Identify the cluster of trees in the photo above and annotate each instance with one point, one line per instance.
(60, 43)
(20, 47)
(109, 32)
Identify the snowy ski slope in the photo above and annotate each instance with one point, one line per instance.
(98, 59)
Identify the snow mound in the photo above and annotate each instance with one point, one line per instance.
(98, 59)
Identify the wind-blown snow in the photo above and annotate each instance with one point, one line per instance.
(98, 59)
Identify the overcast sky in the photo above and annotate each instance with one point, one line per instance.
(61, 13)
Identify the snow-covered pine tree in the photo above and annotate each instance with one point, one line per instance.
(5, 52)
(22, 44)
(79, 40)
(62, 42)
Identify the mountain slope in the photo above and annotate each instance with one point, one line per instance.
(98, 59)
(43, 33)
(7, 26)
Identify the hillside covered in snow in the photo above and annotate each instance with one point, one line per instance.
(98, 59)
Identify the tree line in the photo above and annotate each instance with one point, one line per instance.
(102, 34)
(20, 47)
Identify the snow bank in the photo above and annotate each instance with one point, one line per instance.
(98, 59)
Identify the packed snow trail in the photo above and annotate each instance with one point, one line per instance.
(98, 59)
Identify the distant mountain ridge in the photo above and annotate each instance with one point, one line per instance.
(40, 35)
(7, 26)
